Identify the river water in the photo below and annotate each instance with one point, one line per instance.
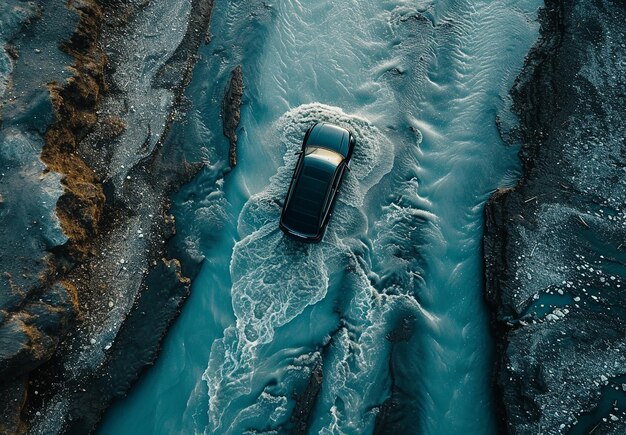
(390, 303)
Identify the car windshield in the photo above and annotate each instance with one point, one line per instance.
(332, 157)
(307, 202)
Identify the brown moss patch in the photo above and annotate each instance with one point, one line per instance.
(37, 347)
(174, 262)
(72, 290)
(80, 207)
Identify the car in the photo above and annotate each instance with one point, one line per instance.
(324, 158)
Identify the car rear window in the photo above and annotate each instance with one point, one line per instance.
(304, 212)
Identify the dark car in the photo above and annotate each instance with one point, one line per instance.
(325, 156)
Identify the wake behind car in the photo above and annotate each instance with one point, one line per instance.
(324, 158)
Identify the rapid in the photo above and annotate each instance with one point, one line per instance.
(388, 308)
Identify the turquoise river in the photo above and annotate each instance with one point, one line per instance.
(390, 304)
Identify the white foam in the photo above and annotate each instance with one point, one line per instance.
(404, 69)
(275, 278)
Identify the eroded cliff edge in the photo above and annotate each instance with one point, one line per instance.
(555, 245)
(88, 285)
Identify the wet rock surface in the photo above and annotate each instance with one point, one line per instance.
(35, 306)
(88, 287)
(555, 246)
(231, 111)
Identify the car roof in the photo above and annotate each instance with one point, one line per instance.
(330, 136)
(304, 210)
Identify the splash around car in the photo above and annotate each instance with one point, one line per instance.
(324, 159)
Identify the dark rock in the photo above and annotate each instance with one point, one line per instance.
(179, 65)
(562, 229)
(231, 111)
(29, 337)
(305, 402)
(14, 395)
(393, 412)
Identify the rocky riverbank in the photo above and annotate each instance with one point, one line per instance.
(555, 245)
(88, 286)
